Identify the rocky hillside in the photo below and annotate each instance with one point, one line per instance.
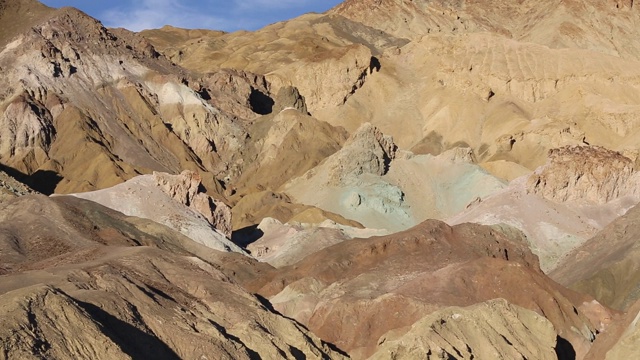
(385, 180)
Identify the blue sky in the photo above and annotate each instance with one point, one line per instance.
(228, 15)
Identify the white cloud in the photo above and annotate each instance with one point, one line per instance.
(152, 14)
(228, 15)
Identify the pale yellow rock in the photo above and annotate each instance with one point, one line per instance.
(491, 330)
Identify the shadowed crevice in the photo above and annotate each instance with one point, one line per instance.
(131, 340)
(42, 181)
(564, 349)
(260, 102)
(267, 304)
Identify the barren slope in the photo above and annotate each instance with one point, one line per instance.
(102, 284)
(606, 266)
(354, 292)
(604, 26)
(578, 192)
(369, 180)
(84, 107)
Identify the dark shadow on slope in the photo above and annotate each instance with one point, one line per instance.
(252, 354)
(432, 144)
(247, 235)
(375, 65)
(297, 353)
(43, 181)
(260, 102)
(267, 304)
(131, 340)
(564, 349)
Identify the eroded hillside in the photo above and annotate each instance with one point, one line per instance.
(281, 193)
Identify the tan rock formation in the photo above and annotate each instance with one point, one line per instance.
(626, 346)
(289, 122)
(371, 181)
(491, 330)
(326, 57)
(330, 78)
(48, 323)
(565, 24)
(186, 188)
(368, 151)
(174, 201)
(507, 100)
(10, 187)
(562, 204)
(584, 174)
(253, 208)
(75, 93)
(285, 145)
(285, 244)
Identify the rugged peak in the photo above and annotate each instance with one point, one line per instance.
(367, 151)
(590, 174)
(16, 16)
(289, 97)
(187, 189)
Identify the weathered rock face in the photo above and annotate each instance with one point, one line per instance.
(626, 346)
(371, 181)
(75, 93)
(286, 144)
(285, 244)
(368, 151)
(327, 58)
(329, 78)
(562, 204)
(386, 284)
(288, 97)
(186, 188)
(569, 24)
(463, 82)
(349, 182)
(57, 326)
(584, 174)
(103, 294)
(174, 201)
(255, 207)
(491, 330)
(10, 187)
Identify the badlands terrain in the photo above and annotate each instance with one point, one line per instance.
(391, 179)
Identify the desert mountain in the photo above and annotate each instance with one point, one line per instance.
(512, 83)
(370, 181)
(76, 93)
(122, 287)
(605, 26)
(386, 284)
(174, 201)
(578, 192)
(280, 193)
